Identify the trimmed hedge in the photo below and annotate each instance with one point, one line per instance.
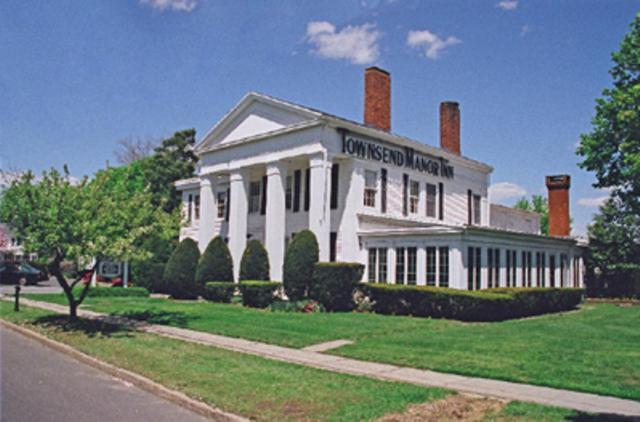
(219, 291)
(215, 264)
(118, 292)
(258, 294)
(299, 259)
(334, 283)
(179, 274)
(486, 305)
(254, 264)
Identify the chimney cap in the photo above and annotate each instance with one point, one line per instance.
(450, 103)
(558, 181)
(377, 69)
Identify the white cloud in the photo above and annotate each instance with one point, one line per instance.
(508, 4)
(505, 190)
(175, 5)
(432, 43)
(358, 44)
(594, 202)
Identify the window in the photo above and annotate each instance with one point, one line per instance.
(405, 194)
(508, 268)
(493, 264)
(335, 180)
(333, 241)
(552, 270)
(414, 196)
(431, 266)
(370, 181)
(431, 200)
(412, 254)
(288, 193)
(526, 269)
(372, 265)
(189, 208)
(514, 269)
(474, 266)
(382, 265)
(490, 267)
(297, 176)
(443, 256)
(563, 269)
(400, 265)
(196, 208)
(476, 209)
(383, 190)
(307, 189)
(254, 197)
(529, 267)
(221, 204)
(540, 268)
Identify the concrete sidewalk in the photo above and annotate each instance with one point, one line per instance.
(583, 402)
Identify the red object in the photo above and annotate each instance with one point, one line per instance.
(377, 98)
(116, 282)
(558, 196)
(450, 127)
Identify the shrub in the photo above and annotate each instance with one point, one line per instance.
(334, 283)
(179, 274)
(486, 305)
(255, 262)
(258, 294)
(300, 257)
(621, 281)
(219, 291)
(148, 273)
(215, 264)
(305, 305)
(118, 292)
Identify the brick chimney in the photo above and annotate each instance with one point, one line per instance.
(377, 98)
(558, 187)
(450, 127)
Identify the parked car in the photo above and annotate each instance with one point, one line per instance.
(23, 273)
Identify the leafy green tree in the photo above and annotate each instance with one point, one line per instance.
(255, 262)
(60, 220)
(299, 260)
(216, 263)
(180, 272)
(537, 204)
(172, 160)
(612, 148)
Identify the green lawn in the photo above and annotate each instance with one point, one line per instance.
(251, 386)
(594, 349)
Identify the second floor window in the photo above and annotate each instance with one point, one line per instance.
(196, 209)
(414, 196)
(431, 200)
(476, 209)
(370, 182)
(254, 197)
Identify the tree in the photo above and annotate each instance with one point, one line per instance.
(299, 259)
(60, 220)
(255, 262)
(172, 160)
(538, 204)
(612, 148)
(216, 263)
(180, 272)
(131, 150)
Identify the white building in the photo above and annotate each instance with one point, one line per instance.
(411, 212)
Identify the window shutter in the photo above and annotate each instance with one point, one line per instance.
(226, 214)
(441, 201)
(405, 193)
(335, 173)
(383, 190)
(296, 190)
(263, 204)
(469, 207)
(307, 187)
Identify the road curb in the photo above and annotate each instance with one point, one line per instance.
(139, 381)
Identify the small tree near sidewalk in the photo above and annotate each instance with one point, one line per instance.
(61, 220)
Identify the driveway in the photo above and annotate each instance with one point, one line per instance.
(47, 286)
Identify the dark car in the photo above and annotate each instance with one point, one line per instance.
(19, 273)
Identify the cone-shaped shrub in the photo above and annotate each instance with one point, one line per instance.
(215, 263)
(299, 259)
(255, 262)
(179, 274)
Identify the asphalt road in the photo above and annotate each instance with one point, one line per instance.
(41, 384)
(46, 286)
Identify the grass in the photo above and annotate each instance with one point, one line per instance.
(594, 349)
(251, 386)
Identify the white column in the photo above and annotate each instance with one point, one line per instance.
(238, 184)
(275, 219)
(391, 264)
(319, 210)
(421, 264)
(207, 213)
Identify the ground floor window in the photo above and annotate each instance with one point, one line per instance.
(382, 265)
(412, 265)
(541, 266)
(377, 265)
(552, 270)
(493, 266)
(563, 269)
(431, 266)
(443, 257)
(400, 253)
(474, 267)
(526, 268)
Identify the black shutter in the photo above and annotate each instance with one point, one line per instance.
(383, 190)
(307, 189)
(405, 194)
(226, 212)
(333, 239)
(335, 173)
(296, 190)
(263, 204)
(441, 201)
(469, 206)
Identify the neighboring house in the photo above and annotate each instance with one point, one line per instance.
(411, 213)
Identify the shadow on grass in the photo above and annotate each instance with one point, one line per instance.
(598, 417)
(88, 327)
(175, 319)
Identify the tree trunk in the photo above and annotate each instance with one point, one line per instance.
(73, 311)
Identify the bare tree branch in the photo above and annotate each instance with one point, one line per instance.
(131, 149)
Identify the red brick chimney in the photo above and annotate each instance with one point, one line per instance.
(558, 187)
(377, 98)
(450, 127)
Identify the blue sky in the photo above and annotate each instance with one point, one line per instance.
(77, 76)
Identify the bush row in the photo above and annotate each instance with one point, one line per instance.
(488, 305)
(118, 292)
(256, 294)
